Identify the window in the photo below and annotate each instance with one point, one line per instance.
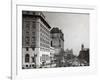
(44, 58)
(27, 43)
(33, 47)
(26, 48)
(33, 38)
(33, 33)
(33, 25)
(26, 65)
(27, 58)
(27, 33)
(27, 38)
(33, 59)
(51, 43)
(27, 25)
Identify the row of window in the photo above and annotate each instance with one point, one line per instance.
(44, 27)
(27, 40)
(44, 30)
(56, 35)
(26, 25)
(44, 41)
(44, 58)
(45, 37)
(27, 43)
(44, 49)
(27, 33)
(29, 24)
(44, 45)
(29, 18)
(27, 58)
(33, 44)
(33, 25)
(33, 33)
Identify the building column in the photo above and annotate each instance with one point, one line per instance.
(37, 52)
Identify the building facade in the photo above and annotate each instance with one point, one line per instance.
(84, 55)
(68, 54)
(36, 39)
(57, 42)
(57, 39)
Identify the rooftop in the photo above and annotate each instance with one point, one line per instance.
(36, 14)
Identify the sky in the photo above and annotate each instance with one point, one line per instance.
(74, 26)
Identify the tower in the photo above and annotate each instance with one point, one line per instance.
(82, 47)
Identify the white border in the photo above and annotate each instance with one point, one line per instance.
(18, 73)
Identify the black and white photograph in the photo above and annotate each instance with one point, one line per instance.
(55, 39)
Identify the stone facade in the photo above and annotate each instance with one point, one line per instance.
(35, 39)
(57, 39)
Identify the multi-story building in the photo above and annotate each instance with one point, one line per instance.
(84, 55)
(35, 39)
(68, 54)
(57, 42)
(57, 39)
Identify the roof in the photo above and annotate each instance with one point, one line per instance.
(37, 15)
(56, 30)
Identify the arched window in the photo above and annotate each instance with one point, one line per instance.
(27, 58)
